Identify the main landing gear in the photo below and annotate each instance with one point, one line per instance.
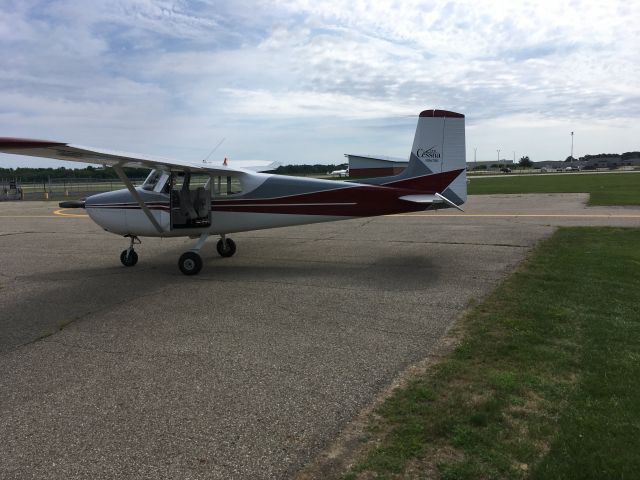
(190, 263)
(129, 257)
(226, 247)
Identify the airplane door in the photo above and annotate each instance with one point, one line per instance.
(190, 201)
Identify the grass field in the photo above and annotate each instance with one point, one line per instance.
(544, 382)
(604, 188)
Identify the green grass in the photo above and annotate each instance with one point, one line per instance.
(545, 382)
(604, 188)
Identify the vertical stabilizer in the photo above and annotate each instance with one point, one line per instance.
(438, 147)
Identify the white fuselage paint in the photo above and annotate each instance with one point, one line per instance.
(136, 222)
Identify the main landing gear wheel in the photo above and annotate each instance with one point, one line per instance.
(129, 258)
(190, 263)
(226, 247)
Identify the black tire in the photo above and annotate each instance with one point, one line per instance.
(129, 259)
(190, 263)
(226, 249)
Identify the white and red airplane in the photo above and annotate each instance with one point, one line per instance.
(200, 199)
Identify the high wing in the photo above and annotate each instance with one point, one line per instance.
(77, 153)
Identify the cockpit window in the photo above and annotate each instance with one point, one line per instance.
(152, 180)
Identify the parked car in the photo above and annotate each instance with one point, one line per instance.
(505, 170)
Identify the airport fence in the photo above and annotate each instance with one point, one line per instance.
(55, 188)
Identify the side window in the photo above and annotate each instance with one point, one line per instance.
(226, 186)
(199, 181)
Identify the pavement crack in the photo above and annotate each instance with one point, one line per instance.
(64, 324)
(11, 234)
(131, 352)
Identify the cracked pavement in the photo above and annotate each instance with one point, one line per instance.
(250, 369)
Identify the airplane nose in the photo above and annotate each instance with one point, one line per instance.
(109, 210)
(112, 199)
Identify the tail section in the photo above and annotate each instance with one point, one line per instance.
(437, 162)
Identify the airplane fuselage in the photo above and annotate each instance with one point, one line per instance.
(309, 201)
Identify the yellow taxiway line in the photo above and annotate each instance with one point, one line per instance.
(59, 213)
(511, 215)
(62, 213)
(25, 216)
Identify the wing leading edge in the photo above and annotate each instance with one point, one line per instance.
(77, 153)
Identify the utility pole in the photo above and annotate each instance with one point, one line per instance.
(498, 157)
(514, 158)
(475, 159)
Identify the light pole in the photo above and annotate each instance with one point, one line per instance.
(498, 158)
(475, 159)
(572, 146)
(514, 158)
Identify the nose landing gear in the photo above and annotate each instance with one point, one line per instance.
(129, 257)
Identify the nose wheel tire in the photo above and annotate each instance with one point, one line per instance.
(226, 248)
(129, 258)
(190, 263)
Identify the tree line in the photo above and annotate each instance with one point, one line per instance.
(43, 174)
(33, 175)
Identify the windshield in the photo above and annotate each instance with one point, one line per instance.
(151, 180)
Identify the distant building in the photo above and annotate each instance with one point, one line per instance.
(366, 166)
(592, 162)
(610, 161)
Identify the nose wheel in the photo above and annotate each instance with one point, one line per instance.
(129, 257)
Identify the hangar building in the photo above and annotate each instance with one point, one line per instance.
(363, 166)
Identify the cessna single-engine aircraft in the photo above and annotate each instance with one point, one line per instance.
(339, 173)
(199, 199)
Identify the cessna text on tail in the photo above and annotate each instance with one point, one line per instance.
(198, 199)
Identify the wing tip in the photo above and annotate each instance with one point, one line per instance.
(12, 142)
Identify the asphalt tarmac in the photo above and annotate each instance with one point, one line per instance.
(250, 369)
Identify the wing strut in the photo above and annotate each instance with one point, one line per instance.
(137, 197)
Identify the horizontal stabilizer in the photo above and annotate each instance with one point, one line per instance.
(428, 199)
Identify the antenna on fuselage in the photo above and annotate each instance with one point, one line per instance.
(214, 149)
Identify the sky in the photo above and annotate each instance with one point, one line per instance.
(306, 81)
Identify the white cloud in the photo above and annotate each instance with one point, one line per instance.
(154, 74)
